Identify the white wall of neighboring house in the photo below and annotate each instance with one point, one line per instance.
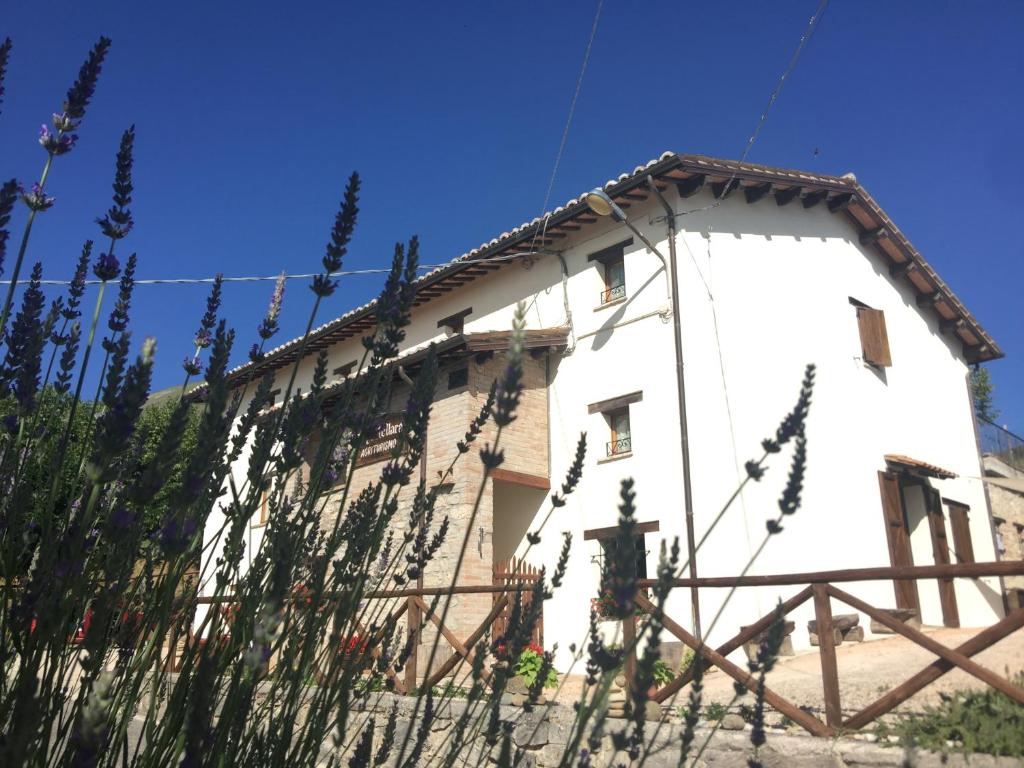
(764, 290)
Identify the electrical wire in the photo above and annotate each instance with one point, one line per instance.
(812, 24)
(303, 276)
(568, 123)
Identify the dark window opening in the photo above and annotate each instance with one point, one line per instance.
(344, 370)
(638, 561)
(458, 378)
(456, 323)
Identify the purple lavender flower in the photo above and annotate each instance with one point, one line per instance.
(77, 287)
(62, 122)
(107, 267)
(118, 221)
(203, 338)
(83, 88)
(8, 196)
(192, 365)
(212, 304)
(5, 52)
(56, 144)
(255, 355)
(122, 518)
(36, 200)
(268, 326)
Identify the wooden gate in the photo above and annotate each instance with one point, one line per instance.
(513, 572)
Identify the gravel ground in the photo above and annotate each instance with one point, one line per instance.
(866, 671)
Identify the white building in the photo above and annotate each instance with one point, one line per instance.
(776, 269)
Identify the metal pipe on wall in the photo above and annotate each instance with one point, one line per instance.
(684, 432)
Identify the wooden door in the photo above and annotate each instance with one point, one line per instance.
(940, 553)
(898, 537)
(963, 548)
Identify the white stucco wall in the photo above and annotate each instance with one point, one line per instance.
(781, 279)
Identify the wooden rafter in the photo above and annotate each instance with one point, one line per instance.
(869, 236)
(786, 196)
(755, 193)
(722, 189)
(902, 268)
(840, 202)
(691, 186)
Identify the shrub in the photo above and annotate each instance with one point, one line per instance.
(985, 721)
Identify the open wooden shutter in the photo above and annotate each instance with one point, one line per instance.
(898, 538)
(963, 547)
(874, 340)
(940, 553)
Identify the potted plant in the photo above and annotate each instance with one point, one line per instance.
(529, 666)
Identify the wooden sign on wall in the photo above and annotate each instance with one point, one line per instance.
(383, 444)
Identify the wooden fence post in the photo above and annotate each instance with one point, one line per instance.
(629, 646)
(415, 624)
(827, 648)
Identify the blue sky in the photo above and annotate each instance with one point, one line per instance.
(250, 118)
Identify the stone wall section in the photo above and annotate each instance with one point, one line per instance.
(539, 738)
(525, 446)
(1008, 518)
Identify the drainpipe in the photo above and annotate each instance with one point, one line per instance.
(684, 432)
(601, 204)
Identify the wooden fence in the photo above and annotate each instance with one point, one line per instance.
(820, 587)
(517, 573)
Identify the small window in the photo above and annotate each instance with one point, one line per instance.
(616, 415)
(874, 339)
(608, 547)
(271, 399)
(456, 323)
(458, 378)
(618, 424)
(613, 271)
(344, 370)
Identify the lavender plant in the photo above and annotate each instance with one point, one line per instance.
(137, 628)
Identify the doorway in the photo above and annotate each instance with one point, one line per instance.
(907, 502)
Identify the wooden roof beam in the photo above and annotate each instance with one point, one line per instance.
(814, 198)
(755, 193)
(975, 351)
(691, 186)
(840, 202)
(953, 325)
(722, 189)
(786, 196)
(635, 196)
(929, 299)
(903, 268)
(869, 236)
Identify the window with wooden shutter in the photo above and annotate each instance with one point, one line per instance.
(874, 340)
(963, 547)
